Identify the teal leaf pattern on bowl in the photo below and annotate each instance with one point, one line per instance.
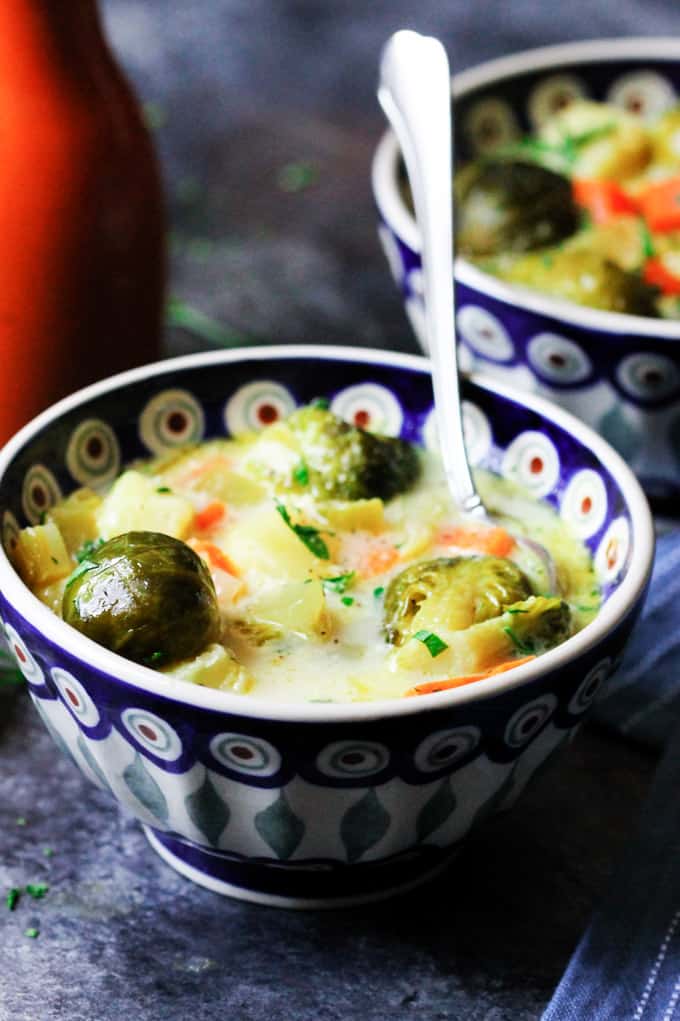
(280, 828)
(92, 762)
(208, 812)
(363, 825)
(141, 783)
(436, 811)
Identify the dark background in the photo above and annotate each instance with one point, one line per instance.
(238, 90)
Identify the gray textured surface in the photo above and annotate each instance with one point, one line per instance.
(121, 935)
(243, 87)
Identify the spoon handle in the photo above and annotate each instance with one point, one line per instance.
(415, 93)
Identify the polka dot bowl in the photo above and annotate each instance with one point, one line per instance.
(313, 804)
(619, 373)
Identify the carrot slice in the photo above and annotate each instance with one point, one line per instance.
(195, 473)
(429, 687)
(604, 200)
(485, 539)
(210, 515)
(379, 558)
(658, 274)
(214, 555)
(660, 205)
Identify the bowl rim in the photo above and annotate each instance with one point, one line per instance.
(122, 670)
(397, 215)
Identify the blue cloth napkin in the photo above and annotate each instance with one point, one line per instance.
(627, 965)
(642, 700)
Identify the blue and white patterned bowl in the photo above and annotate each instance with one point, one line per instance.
(619, 373)
(312, 804)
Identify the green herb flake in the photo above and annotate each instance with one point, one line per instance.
(322, 403)
(163, 489)
(307, 534)
(432, 642)
(21, 820)
(340, 583)
(48, 852)
(647, 241)
(32, 933)
(301, 474)
(54, 560)
(88, 548)
(12, 898)
(37, 890)
(515, 610)
(525, 647)
(347, 600)
(587, 609)
(294, 177)
(83, 567)
(377, 592)
(156, 657)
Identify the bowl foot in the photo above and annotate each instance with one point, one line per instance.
(300, 886)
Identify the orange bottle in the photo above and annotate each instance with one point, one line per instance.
(81, 223)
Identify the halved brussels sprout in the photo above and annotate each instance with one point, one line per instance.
(511, 206)
(146, 596)
(451, 593)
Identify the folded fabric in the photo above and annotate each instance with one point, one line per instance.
(627, 966)
(642, 699)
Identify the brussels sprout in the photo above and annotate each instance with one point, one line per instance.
(511, 206)
(538, 623)
(344, 462)
(585, 278)
(146, 596)
(451, 593)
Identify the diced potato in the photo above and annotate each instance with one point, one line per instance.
(135, 504)
(621, 145)
(76, 518)
(263, 542)
(40, 555)
(353, 515)
(229, 486)
(299, 607)
(215, 667)
(470, 651)
(52, 595)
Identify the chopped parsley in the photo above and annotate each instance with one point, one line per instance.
(21, 820)
(83, 567)
(88, 548)
(163, 489)
(48, 852)
(647, 241)
(432, 642)
(297, 176)
(525, 647)
(37, 890)
(513, 609)
(12, 898)
(347, 600)
(377, 592)
(307, 534)
(156, 657)
(340, 583)
(301, 474)
(32, 933)
(322, 403)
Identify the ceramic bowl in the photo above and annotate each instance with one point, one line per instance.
(312, 804)
(619, 373)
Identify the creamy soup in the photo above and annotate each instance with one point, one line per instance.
(310, 562)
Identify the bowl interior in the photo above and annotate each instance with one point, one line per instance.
(87, 439)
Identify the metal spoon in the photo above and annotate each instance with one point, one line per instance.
(415, 93)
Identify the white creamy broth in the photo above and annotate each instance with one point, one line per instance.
(312, 598)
